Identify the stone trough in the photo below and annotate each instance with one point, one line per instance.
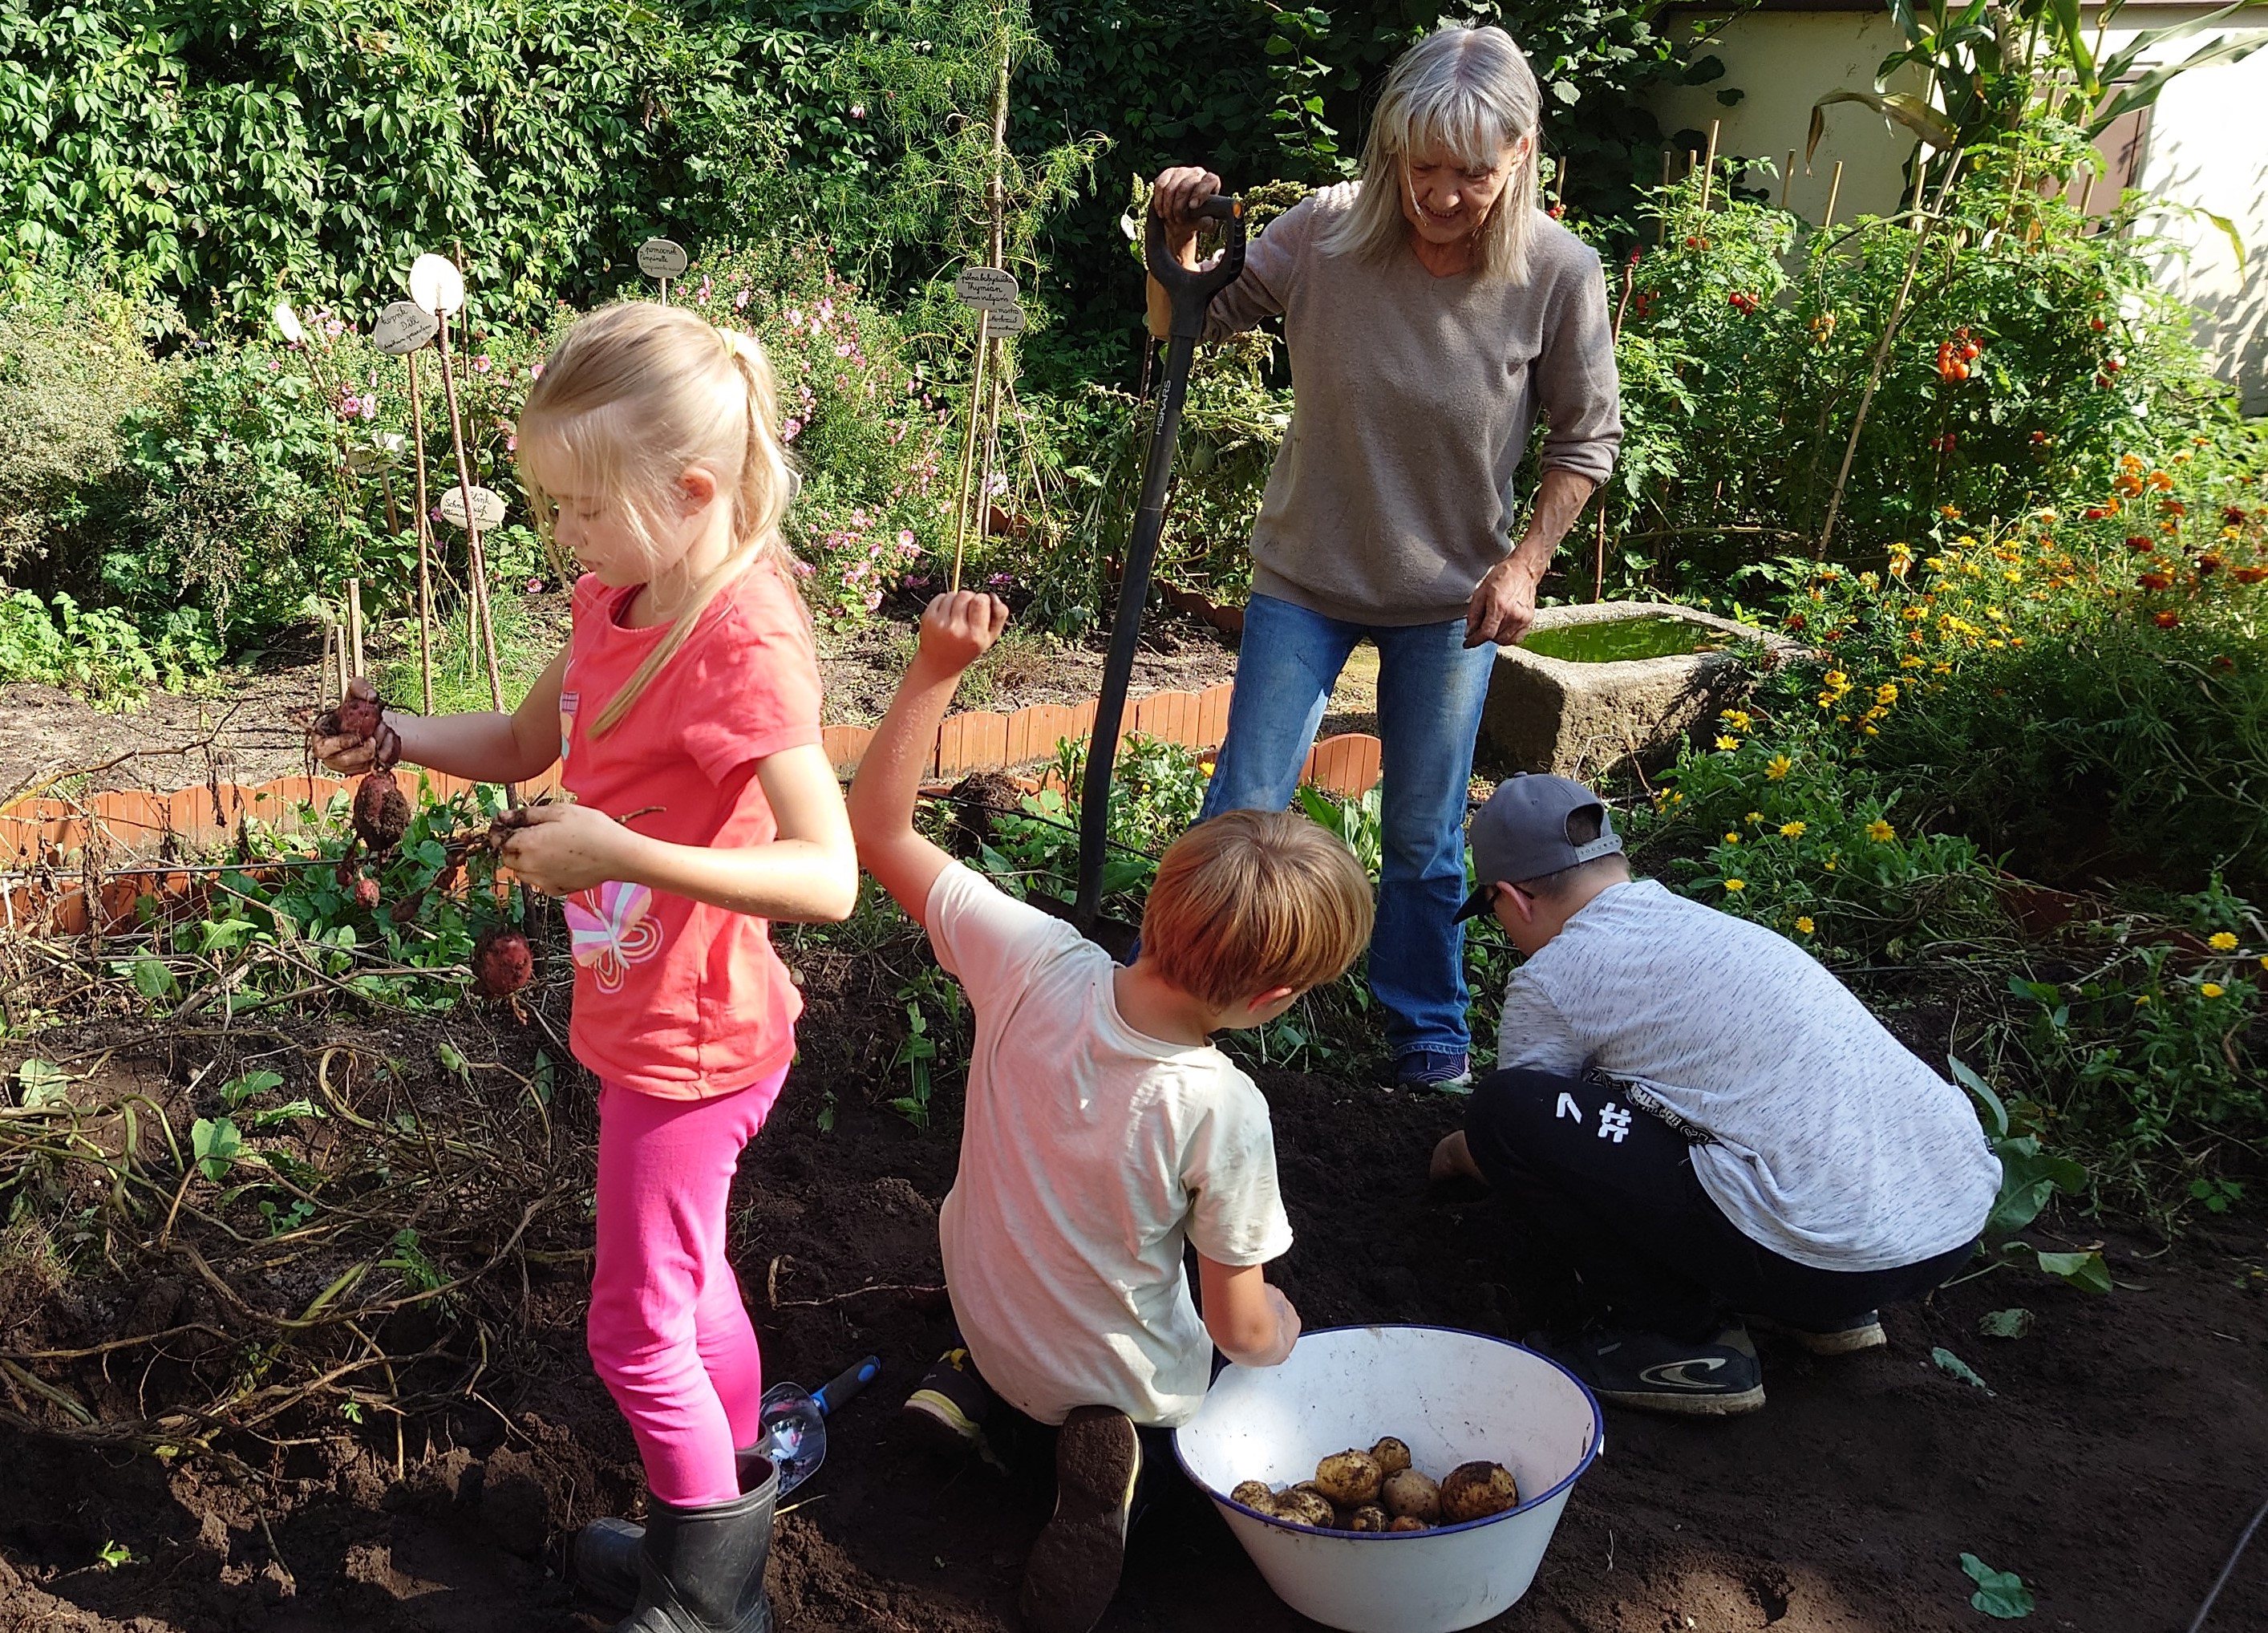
(1597, 711)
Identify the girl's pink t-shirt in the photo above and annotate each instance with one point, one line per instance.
(675, 998)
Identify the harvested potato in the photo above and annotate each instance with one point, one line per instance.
(1476, 1490)
(1369, 1517)
(1411, 1495)
(1350, 1478)
(1305, 1506)
(1407, 1522)
(1392, 1456)
(1255, 1494)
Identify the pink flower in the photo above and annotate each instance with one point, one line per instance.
(739, 300)
(842, 350)
(905, 538)
(535, 371)
(873, 599)
(788, 431)
(481, 365)
(857, 110)
(534, 585)
(370, 408)
(512, 444)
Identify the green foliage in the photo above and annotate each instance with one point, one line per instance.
(73, 371)
(224, 152)
(1999, 1593)
(95, 652)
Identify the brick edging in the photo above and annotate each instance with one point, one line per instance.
(130, 823)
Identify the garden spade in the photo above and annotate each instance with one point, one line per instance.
(1191, 292)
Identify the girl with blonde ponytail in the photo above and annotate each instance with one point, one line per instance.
(684, 715)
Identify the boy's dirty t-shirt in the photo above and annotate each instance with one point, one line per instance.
(1090, 1153)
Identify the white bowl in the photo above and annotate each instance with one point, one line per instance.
(1455, 1397)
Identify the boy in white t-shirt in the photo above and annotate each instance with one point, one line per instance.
(1103, 1132)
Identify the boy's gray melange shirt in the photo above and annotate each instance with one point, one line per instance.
(1835, 1146)
(1413, 400)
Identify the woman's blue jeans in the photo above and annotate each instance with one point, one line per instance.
(1430, 693)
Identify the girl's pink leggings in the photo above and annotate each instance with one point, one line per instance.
(668, 1332)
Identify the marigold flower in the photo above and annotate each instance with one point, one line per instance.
(2213, 988)
(1736, 884)
(2166, 620)
(1778, 767)
(1881, 832)
(1803, 923)
(1792, 830)
(2222, 941)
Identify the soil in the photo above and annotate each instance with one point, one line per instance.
(2112, 1466)
(243, 724)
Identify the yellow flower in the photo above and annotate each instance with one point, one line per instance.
(1804, 924)
(1830, 864)
(1791, 830)
(1835, 677)
(1727, 744)
(1881, 832)
(1732, 838)
(1755, 817)
(2213, 988)
(2140, 999)
(1778, 767)
(1736, 884)
(1909, 661)
(2222, 941)
(1887, 693)
(1736, 718)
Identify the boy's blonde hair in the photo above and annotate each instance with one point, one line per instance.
(1255, 899)
(1471, 92)
(631, 398)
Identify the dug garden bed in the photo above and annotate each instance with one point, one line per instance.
(2111, 1463)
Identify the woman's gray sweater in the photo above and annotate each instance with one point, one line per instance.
(1413, 398)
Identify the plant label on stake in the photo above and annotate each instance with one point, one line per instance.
(1000, 321)
(988, 289)
(404, 327)
(488, 507)
(436, 285)
(664, 258)
(287, 323)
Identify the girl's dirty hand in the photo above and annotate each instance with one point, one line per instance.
(959, 626)
(337, 748)
(558, 850)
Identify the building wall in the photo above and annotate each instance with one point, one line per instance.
(2207, 147)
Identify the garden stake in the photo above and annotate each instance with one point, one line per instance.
(1875, 374)
(1834, 192)
(354, 624)
(1709, 166)
(424, 538)
(1191, 292)
(1786, 176)
(968, 442)
(1661, 221)
(476, 567)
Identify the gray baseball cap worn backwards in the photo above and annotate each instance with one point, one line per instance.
(1521, 833)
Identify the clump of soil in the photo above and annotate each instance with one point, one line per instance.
(382, 811)
(501, 962)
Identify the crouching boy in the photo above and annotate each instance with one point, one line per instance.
(1700, 1120)
(1103, 1132)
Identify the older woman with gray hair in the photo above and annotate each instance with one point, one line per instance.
(1431, 310)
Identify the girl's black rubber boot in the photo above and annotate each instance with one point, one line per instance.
(604, 1559)
(702, 1570)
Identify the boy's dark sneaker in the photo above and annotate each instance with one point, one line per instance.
(946, 1411)
(1076, 1563)
(1860, 1332)
(1432, 1068)
(1716, 1378)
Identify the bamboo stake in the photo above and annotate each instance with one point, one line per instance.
(354, 626)
(1786, 177)
(968, 442)
(1834, 192)
(1661, 221)
(992, 448)
(476, 566)
(1875, 374)
(1709, 166)
(424, 537)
